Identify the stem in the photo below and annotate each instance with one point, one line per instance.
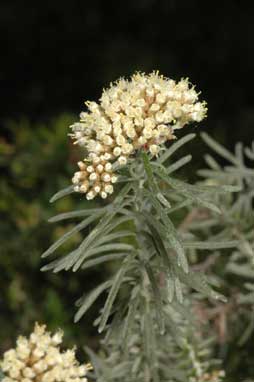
(147, 311)
(145, 290)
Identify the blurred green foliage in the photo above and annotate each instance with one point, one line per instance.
(34, 167)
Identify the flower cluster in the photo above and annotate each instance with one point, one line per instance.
(39, 359)
(215, 376)
(142, 112)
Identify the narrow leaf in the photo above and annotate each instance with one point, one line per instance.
(198, 282)
(178, 290)
(170, 235)
(86, 302)
(117, 281)
(103, 259)
(219, 149)
(75, 214)
(90, 242)
(212, 162)
(210, 245)
(175, 147)
(178, 164)
(86, 222)
(62, 193)
(157, 297)
(115, 235)
(128, 323)
(183, 189)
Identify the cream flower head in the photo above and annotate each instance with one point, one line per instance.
(39, 359)
(142, 112)
(215, 376)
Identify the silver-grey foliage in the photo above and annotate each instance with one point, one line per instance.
(151, 331)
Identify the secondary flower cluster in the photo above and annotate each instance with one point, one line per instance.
(142, 112)
(39, 359)
(215, 376)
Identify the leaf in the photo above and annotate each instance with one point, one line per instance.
(129, 320)
(238, 171)
(174, 327)
(175, 147)
(90, 243)
(115, 235)
(249, 153)
(169, 233)
(98, 363)
(160, 248)
(60, 264)
(112, 209)
(170, 286)
(70, 260)
(86, 222)
(157, 239)
(210, 245)
(1, 375)
(240, 270)
(106, 248)
(239, 152)
(180, 205)
(86, 302)
(149, 342)
(178, 290)
(109, 247)
(157, 298)
(103, 259)
(248, 331)
(194, 197)
(113, 333)
(203, 224)
(198, 282)
(213, 174)
(116, 284)
(163, 200)
(122, 193)
(75, 214)
(212, 162)
(178, 164)
(149, 172)
(219, 149)
(120, 370)
(147, 326)
(136, 365)
(218, 189)
(183, 189)
(62, 193)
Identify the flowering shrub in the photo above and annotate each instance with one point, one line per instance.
(124, 137)
(157, 307)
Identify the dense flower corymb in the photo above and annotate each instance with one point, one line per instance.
(142, 112)
(39, 359)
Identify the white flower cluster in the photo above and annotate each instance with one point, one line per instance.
(215, 376)
(39, 359)
(140, 113)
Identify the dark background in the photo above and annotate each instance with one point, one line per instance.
(54, 56)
